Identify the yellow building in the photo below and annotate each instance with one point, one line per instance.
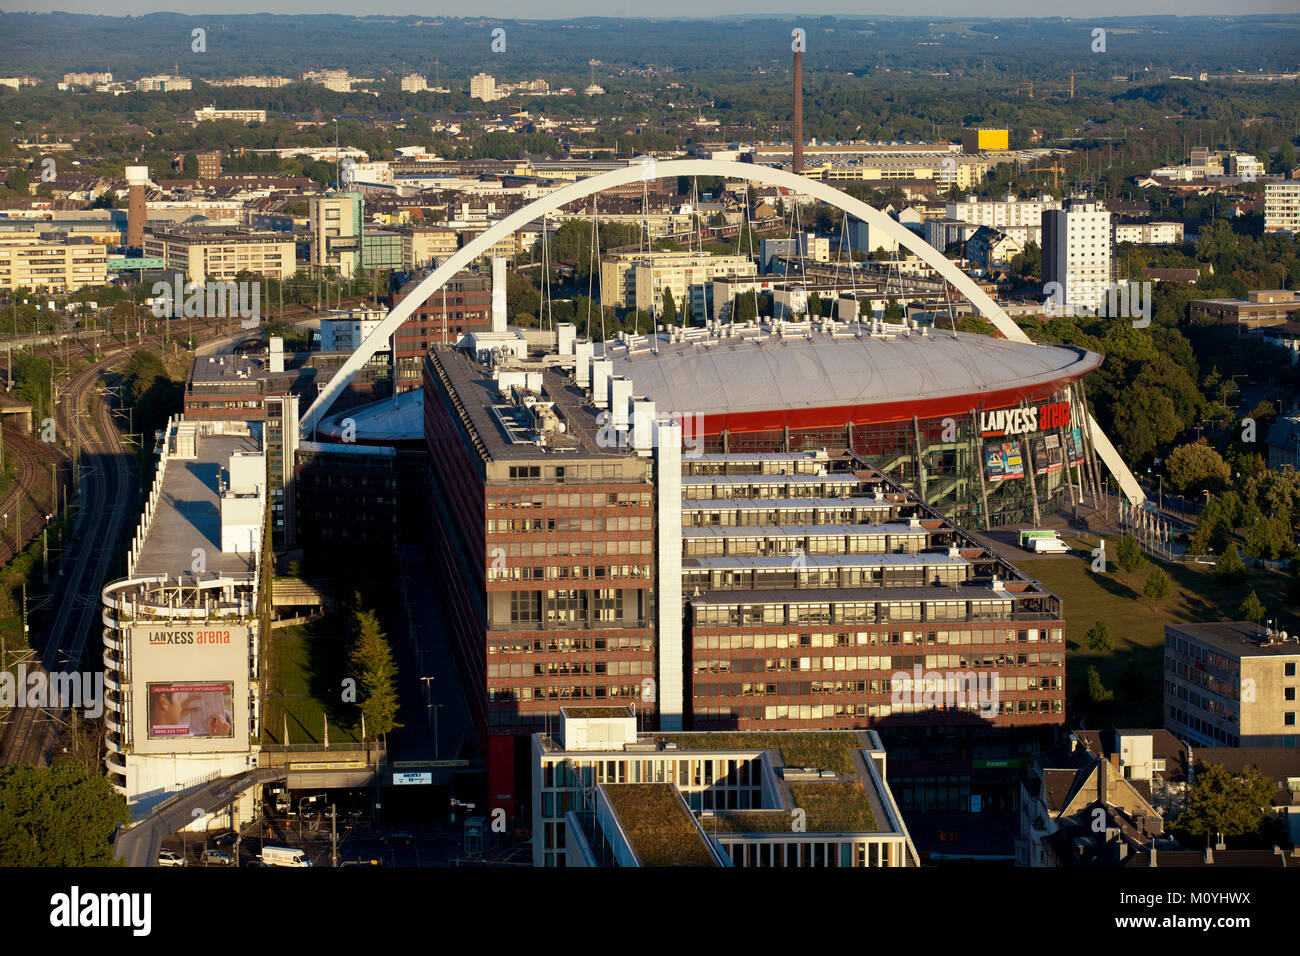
(985, 140)
(222, 253)
(57, 264)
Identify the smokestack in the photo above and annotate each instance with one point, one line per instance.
(136, 214)
(798, 111)
(498, 294)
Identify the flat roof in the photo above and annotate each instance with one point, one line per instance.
(799, 530)
(965, 592)
(1241, 638)
(188, 514)
(760, 371)
(923, 559)
(771, 504)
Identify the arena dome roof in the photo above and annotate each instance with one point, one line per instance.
(746, 369)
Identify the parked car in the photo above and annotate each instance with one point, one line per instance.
(215, 858)
(170, 858)
(397, 838)
(229, 838)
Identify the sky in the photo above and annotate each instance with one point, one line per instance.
(560, 9)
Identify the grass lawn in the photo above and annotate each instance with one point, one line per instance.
(1137, 624)
(305, 685)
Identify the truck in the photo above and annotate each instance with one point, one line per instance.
(283, 856)
(1029, 535)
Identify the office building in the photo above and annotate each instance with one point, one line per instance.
(209, 164)
(1231, 684)
(182, 630)
(221, 254)
(638, 280)
(1261, 309)
(461, 307)
(337, 226)
(605, 795)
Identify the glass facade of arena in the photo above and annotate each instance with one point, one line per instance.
(958, 467)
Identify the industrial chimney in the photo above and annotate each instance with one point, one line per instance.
(798, 110)
(136, 179)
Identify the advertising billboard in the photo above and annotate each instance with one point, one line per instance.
(1047, 454)
(1075, 440)
(190, 689)
(189, 709)
(1003, 461)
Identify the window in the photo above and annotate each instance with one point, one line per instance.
(1289, 718)
(1290, 669)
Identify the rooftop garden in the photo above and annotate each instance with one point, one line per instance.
(825, 751)
(832, 807)
(658, 825)
(590, 712)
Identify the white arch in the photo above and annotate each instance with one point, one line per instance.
(653, 169)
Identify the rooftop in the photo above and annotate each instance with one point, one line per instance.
(1239, 638)
(753, 369)
(658, 825)
(188, 514)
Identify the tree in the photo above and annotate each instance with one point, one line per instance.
(1097, 692)
(375, 673)
(669, 314)
(18, 181)
(1128, 554)
(1098, 637)
(892, 309)
(1220, 802)
(1131, 682)
(1196, 468)
(1157, 585)
(190, 166)
(1251, 609)
(1230, 569)
(58, 816)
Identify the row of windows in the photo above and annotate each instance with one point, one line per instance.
(760, 641)
(549, 502)
(568, 645)
(883, 662)
(563, 525)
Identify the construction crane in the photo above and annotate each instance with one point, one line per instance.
(1026, 86)
(1056, 169)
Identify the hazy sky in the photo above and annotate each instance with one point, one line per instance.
(558, 9)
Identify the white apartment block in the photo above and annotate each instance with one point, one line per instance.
(336, 233)
(483, 87)
(638, 280)
(1000, 213)
(86, 79)
(1282, 207)
(337, 80)
(1077, 252)
(211, 113)
(1150, 233)
(60, 265)
(163, 84)
(414, 83)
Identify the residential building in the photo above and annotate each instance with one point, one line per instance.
(55, 261)
(990, 249)
(1261, 309)
(483, 87)
(422, 245)
(344, 332)
(336, 80)
(221, 254)
(1100, 799)
(414, 83)
(637, 280)
(1149, 233)
(1283, 443)
(605, 795)
(163, 83)
(211, 114)
(1231, 684)
(998, 213)
(209, 164)
(1282, 207)
(1077, 253)
(86, 79)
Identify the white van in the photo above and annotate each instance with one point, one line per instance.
(1049, 546)
(283, 856)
